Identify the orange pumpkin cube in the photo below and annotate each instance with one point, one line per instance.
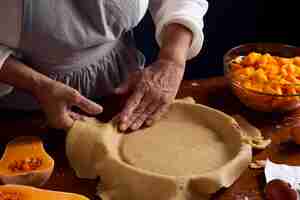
(260, 76)
(283, 72)
(291, 90)
(248, 85)
(249, 71)
(284, 61)
(267, 73)
(257, 87)
(268, 89)
(251, 59)
(236, 66)
(292, 79)
(296, 61)
(291, 68)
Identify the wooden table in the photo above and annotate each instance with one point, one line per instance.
(213, 92)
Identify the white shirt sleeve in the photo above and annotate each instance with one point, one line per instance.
(5, 52)
(188, 13)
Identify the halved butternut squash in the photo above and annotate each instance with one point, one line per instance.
(25, 162)
(18, 192)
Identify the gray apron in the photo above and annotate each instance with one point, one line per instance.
(87, 45)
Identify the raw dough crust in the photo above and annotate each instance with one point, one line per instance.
(252, 135)
(179, 145)
(191, 153)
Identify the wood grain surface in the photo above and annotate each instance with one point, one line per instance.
(213, 92)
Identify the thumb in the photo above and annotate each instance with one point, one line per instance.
(61, 121)
(88, 106)
(67, 122)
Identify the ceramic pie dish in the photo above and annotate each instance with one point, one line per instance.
(190, 154)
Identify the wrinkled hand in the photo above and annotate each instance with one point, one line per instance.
(153, 90)
(57, 99)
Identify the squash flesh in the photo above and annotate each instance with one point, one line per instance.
(23, 149)
(18, 192)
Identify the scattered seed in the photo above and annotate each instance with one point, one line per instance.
(28, 164)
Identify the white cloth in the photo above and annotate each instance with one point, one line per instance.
(188, 13)
(287, 173)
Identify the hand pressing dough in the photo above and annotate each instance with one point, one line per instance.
(191, 153)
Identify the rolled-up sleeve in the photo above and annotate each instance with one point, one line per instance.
(188, 13)
(5, 52)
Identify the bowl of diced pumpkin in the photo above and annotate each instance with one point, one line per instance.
(265, 76)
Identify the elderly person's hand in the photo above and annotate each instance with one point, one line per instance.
(155, 87)
(57, 99)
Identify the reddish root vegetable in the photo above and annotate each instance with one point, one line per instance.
(279, 190)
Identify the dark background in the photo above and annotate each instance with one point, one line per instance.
(229, 23)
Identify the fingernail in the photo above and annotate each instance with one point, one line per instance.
(83, 118)
(100, 109)
(134, 127)
(124, 118)
(123, 127)
(149, 122)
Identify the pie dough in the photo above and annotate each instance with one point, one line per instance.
(177, 149)
(190, 154)
(252, 135)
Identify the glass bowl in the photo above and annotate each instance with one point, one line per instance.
(261, 101)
